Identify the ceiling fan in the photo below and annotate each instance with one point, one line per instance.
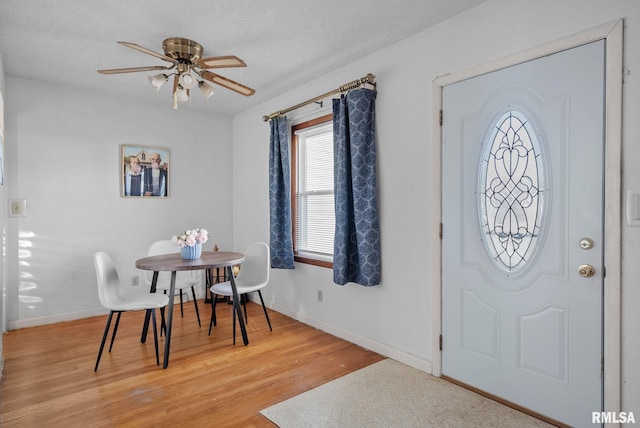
(191, 69)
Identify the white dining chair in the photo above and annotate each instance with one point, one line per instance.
(119, 298)
(253, 276)
(184, 280)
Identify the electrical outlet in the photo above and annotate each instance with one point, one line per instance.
(134, 280)
(320, 296)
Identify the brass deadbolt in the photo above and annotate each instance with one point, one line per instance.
(586, 271)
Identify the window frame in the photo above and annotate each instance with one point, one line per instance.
(294, 189)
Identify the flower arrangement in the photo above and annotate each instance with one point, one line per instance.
(190, 237)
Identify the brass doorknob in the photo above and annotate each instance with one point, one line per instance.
(586, 271)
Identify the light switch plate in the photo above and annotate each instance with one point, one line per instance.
(18, 208)
(633, 207)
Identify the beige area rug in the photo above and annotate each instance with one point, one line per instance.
(391, 394)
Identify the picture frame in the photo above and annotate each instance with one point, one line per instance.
(140, 175)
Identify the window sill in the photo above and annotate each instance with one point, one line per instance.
(311, 261)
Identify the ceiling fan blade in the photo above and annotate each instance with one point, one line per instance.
(220, 62)
(133, 69)
(148, 52)
(227, 83)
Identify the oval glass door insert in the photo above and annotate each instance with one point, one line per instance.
(510, 195)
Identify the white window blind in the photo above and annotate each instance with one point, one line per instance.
(315, 217)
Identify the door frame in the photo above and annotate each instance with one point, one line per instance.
(612, 34)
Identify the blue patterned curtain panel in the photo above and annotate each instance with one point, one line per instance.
(279, 196)
(356, 256)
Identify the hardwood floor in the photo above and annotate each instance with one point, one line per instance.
(48, 377)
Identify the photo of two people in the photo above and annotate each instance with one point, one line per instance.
(144, 171)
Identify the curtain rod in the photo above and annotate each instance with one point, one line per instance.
(369, 78)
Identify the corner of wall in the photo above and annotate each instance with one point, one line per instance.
(2, 220)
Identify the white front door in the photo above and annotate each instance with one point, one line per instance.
(523, 166)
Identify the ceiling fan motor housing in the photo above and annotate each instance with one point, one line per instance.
(183, 50)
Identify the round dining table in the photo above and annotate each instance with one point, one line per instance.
(173, 263)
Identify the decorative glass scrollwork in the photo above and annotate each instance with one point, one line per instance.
(510, 194)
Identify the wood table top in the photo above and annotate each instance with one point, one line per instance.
(175, 262)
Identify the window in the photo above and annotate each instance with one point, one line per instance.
(312, 191)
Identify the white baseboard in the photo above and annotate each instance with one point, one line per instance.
(52, 319)
(380, 348)
(70, 316)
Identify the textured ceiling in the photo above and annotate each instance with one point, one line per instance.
(283, 42)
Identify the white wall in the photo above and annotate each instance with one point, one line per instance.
(63, 158)
(395, 317)
(3, 271)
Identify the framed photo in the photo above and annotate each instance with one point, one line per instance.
(144, 172)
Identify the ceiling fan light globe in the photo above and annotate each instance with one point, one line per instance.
(182, 95)
(187, 81)
(206, 89)
(158, 80)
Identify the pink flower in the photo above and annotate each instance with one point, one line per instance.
(191, 237)
(202, 235)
